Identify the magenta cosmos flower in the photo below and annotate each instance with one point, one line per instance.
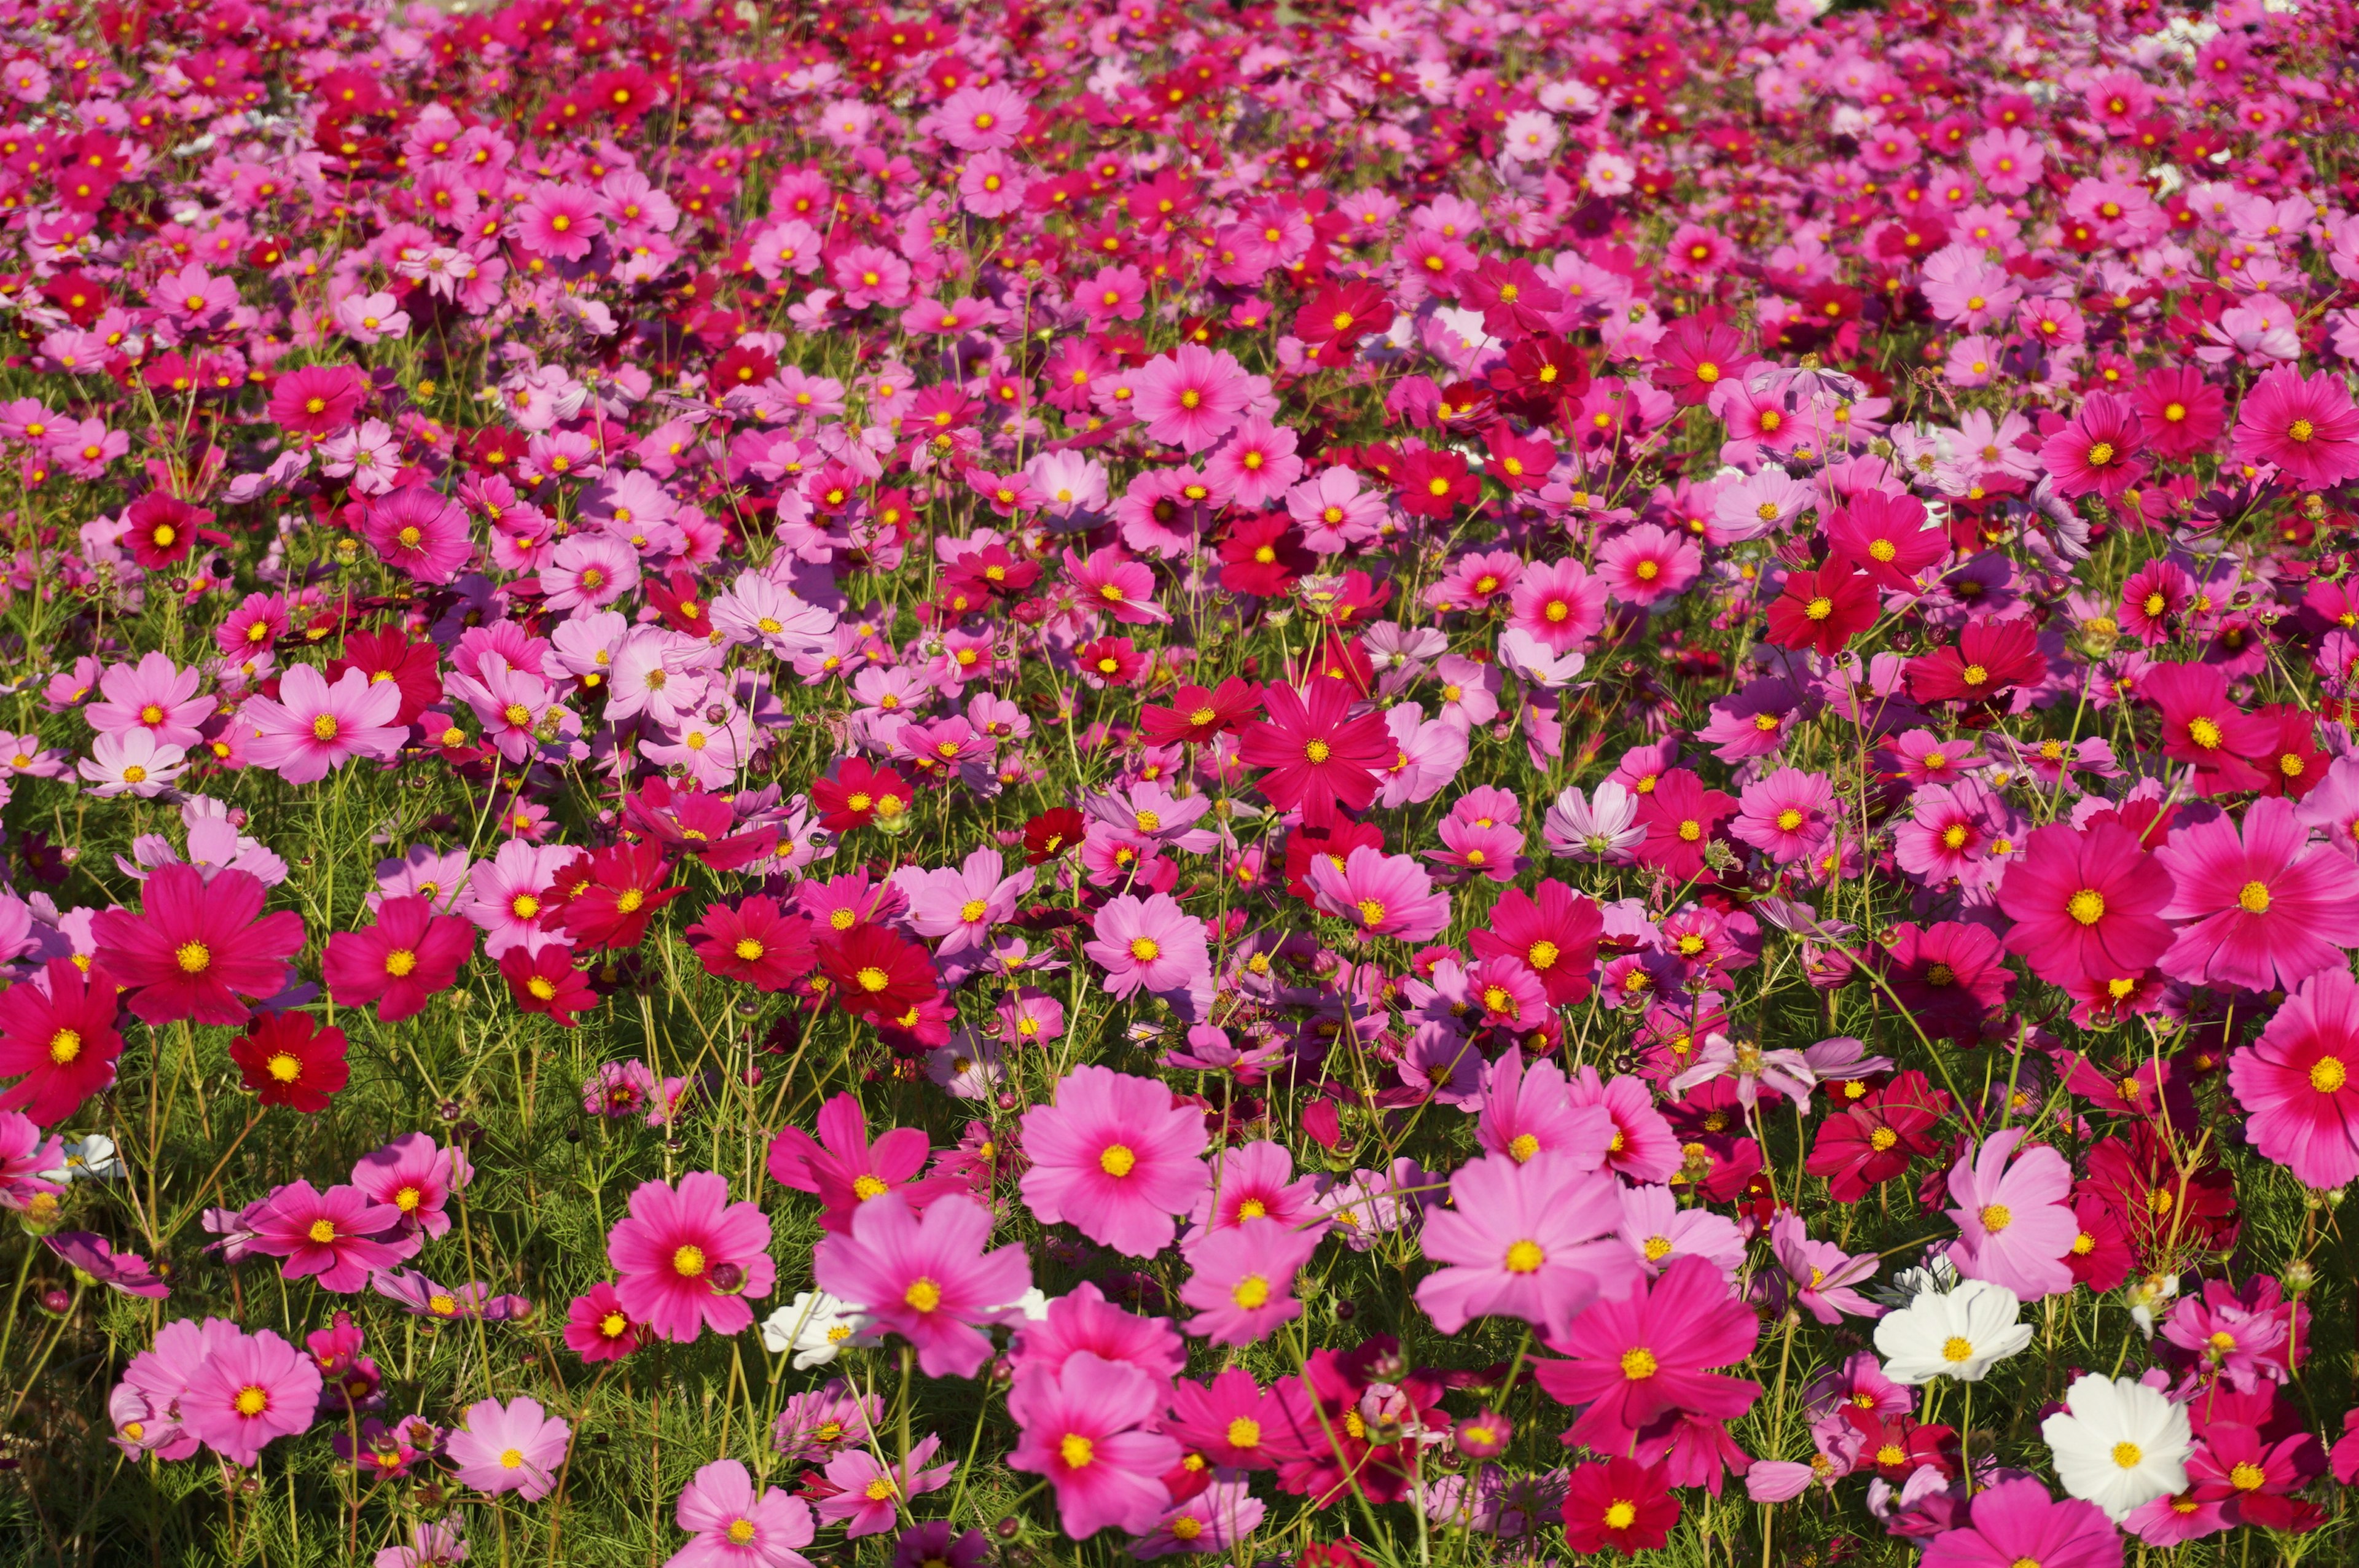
(1648, 1354)
(2266, 908)
(1116, 1158)
(2014, 1523)
(2016, 1221)
(512, 1447)
(1533, 1239)
(738, 1525)
(1082, 1428)
(338, 1235)
(2297, 1082)
(2305, 426)
(926, 1278)
(251, 1389)
(196, 946)
(689, 1258)
(409, 954)
(2087, 904)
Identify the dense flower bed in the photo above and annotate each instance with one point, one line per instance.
(1337, 785)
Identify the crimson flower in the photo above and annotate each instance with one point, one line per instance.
(548, 982)
(1339, 316)
(1822, 608)
(754, 942)
(1620, 1503)
(1680, 816)
(287, 1059)
(1053, 832)
(1321, 757)
(1198, 713)
(1861, 1145)
(411, 954)
(1991, 658)
(1555, 936)
(58, 1040)
(196, 946)
(858, 795)
(877, 974)
(625, 889)
(388, 655)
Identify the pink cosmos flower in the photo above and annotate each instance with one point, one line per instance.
(1254, 1181)
(1082, 1319)
(514, 1447)
(1787, 815)
(1380, 894)
(1647, 564)
(2307, 426)
(958, 907)
(251, 1389)
(1532, 1239)
(844, 1170)
(1822, 1273)
(1527, 1112)
(155, 695)
(2015, 1521)
(1244, 1281)
(2098, 452)
(1116, 1158)
(1190, 397)
(2086, 903)
(1642, 1147)
(689, 1258)
(2299, 1083)
(736, 1525)
(925, 1278)
(981, 119)
(866, 1497)
(418, 532)
(560, 221)
(339, 1236)
(1658, 1231)
(1559, 603)
(2267, 909)
(507, 894)
(315, 727)
(2016, 1221)
(415, 1176)
(1215, 1519)
(1150, 943)
(1257, 464)
(1083, 1429)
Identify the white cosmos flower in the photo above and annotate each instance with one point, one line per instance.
(2118, 1444)
(1961, 1334)
(814, 1325)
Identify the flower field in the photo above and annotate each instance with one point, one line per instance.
(1340, 784)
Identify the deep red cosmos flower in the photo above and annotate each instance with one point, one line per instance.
(196, 946)
(877, 974)
(1056, 831)
(287, 1059)
(58, 1039)
(754, 942)
(1992, 657)
(1339, 316)
(1861, 1145)
(625, 890)
(1620, 1503)
(388, 655)
(161, 529)
(698, 824)
(1198, 713)
(1822, 608)
(1263, 556)
(2086, 902)
(860, 794)
(1554, 935)
(1321, 758)
(547, 982)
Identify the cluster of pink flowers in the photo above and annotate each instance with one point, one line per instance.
(1419, 769)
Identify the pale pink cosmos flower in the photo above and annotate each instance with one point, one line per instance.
(514, 1447)
(153, 695)
(2017, 1220)
(315, 727)
(960, 906)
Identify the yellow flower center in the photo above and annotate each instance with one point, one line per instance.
(322, 1231)
(1957, 1348)
(64, 1047)
(923, 1295)
(253, 1399)
(2127, 1455)
(1620, 1515)
(1639, 1363)
(2087, 906)
(2254, 898)
(194, 957)
(2327, 1074)
(1116, 1160)
(1524, 1258)
(1996, 1217)
(1076, 1450)
(688, 1262)
(1251, 1292)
